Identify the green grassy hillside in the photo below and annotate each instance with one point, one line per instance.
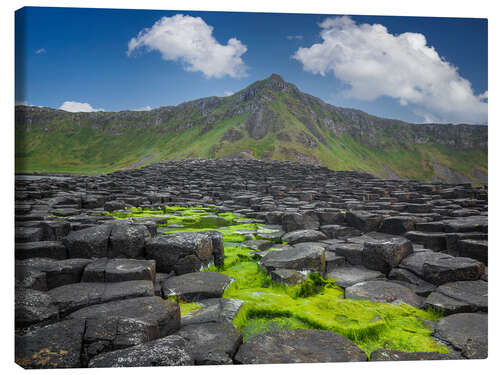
(271, 119)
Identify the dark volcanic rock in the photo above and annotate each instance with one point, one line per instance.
(297, 221)
(181, 252)
(299, 346)
(167, 351)
(211, 343)
(460, 296)
(398, 355)
(41, 249)
(475, 249)
(69, 298)
(34, 306)
(197, 285)
(350, 275)
(383, 291)
(120, 324)
(304, 235)
(443, 270)
(115, 270)
(127, 241)
(88, 243)
(54, 346)
(286, 276)
(364, 221)
(383, 255)
(465, 332)
(57, 272)
(302, 256)
(397, 225)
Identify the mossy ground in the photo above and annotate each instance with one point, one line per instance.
(316, 303)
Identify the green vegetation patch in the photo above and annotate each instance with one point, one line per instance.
(316, 303)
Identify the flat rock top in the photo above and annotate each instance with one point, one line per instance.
(301, 346)
(349, 275)
(167, 351)
(143, 308)
(196, 285)
(383, 291)
(467, 332)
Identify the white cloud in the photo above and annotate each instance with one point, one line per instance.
(79, 107)
(297, 37)
(376, 63)
(228, 93)
(40, 51)
(189, 40)
(146, 108)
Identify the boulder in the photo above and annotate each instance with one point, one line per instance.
(383, 291)
(444, 270)
(363, 220)
(352, 252)
(54, 346)
(120, 324)
(127, 241)
(460, 296)
(476, 249)
(467, 332)
(116, 270)
(55, 230)
(383, 255)
(213, 310)
(287, 276)
(166, 351)
(302, 256)
(435, 241)
(350, 275)
(293, 221)
(304, 235)
(33, 306)
(88, 243)
(196, 286)
(211, 343)
(181, 252)
(300, 346)
(72, 297)
(217, 246)
(41, 249)
(397, 225)
(57, 272)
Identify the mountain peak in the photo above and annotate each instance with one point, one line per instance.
(275, 77)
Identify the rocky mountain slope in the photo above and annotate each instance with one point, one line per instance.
(271, 119)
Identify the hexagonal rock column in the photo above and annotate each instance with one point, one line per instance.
(384, 254)
(120, 324)
(197, 285)
(212, 343)
(466, 332)
(302, 256)
(383, 291)
(116, 270)
(300, 346)
(181, 252)
(54, 346)
(167, 351)
(112, 241)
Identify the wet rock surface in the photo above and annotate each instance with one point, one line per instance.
(311, 346)
(92, 283)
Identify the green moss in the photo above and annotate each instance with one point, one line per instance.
(315, 303)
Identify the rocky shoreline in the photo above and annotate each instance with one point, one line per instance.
(108, 267)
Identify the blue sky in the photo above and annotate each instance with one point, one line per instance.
(409, 68)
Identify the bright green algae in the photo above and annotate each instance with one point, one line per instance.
(316, 303)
